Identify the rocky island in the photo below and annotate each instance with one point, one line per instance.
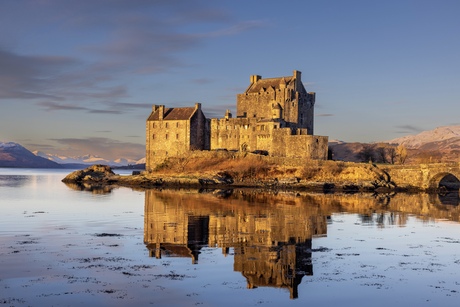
(226, 171)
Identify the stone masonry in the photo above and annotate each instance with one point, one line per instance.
(274, 117)
(173, 132)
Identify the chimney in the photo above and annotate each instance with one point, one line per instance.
(298, 80)
(161, 112)
(197, 106)
(255, 78)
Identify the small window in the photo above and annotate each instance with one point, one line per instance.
(153, 125)
(166, 125)
(153, 136)
(166, 136)
(275, 126)
(177, 125)
(177, 136)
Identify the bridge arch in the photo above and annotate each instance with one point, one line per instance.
(445, 179)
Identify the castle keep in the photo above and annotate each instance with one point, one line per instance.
(274, 116)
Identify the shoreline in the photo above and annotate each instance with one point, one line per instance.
(102, 177)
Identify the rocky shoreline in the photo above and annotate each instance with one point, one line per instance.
(103, 177)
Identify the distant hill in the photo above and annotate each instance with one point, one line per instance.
(342, 151)
(84, 161)
(438, 145)
(14, 155)
(444, 135)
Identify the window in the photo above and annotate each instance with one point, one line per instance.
(166, 136)
(166, 125)
(153, 136)
(177, 125)
(177, 136)
(153, 125)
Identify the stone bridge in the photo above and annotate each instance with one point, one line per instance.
(425, 176)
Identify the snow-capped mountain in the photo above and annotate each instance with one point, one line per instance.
(438, 145)
(14, 155)
(440, 134)
(87, 159)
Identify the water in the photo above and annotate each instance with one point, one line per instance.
(63, 246)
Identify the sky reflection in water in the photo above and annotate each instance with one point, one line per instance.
(119, 247)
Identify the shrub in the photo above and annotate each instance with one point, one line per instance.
(309, 172)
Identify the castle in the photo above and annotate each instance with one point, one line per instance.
(274, 117)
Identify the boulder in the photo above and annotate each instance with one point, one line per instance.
(94, 173)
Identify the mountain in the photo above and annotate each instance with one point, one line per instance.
(447, 134)
(14, 155)
(87, 160)
(438, 145)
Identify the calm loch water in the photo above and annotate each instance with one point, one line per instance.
(65, 245)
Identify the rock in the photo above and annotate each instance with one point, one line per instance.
(94, 173)
(205, 181)
(223, 177)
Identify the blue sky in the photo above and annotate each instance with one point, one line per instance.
(80, 77)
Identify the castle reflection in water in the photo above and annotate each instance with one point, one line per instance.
(270, 233)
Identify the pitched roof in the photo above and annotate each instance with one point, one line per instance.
(174, 114)
(269, 82)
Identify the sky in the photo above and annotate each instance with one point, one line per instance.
(80, 77)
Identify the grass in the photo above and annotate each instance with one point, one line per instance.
(247, 168)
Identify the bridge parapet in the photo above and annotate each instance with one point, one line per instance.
(423, 176)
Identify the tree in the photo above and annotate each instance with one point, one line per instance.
(381, 153)
(401, 153)
(392, 154)
(367, 153)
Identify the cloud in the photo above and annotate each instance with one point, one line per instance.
(126, 105)
(53, 106)
(103, 147)
(408, 129)
(97, 52)
(28, 77)
(218, 111)
(325, 115)
(105, 111)
(111, 107)
(237, 28)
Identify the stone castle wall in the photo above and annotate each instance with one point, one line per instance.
(199, 132)
(166, 138)
(273, 115)
(175, 137)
